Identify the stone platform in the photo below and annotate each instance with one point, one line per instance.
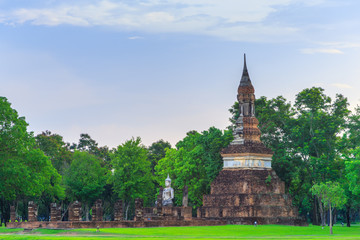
(243, 196)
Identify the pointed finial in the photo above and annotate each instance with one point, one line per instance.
(245, 79)
(245, 71)
(245, 61)
(168, 178)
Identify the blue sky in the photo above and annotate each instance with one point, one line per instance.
(159, 68)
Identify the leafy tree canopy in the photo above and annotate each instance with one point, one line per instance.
(195, 163)
(353, 171)
(85, 178)
(25, 171)
(131, 172)
(56, 149)
(157, 151)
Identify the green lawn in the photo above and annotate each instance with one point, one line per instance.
(213, 232)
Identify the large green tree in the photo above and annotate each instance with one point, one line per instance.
(85, 179)
(331, 195)
(25, 172)
(132, 176)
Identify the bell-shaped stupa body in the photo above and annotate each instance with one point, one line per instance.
(246, 150)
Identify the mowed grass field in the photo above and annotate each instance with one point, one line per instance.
(212, 232)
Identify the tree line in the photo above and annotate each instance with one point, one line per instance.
(315, 142)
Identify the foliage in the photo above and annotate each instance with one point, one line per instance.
(353, 171)
(14, 138)
(25, 171)
(87, 144)
(195, 163)
(56, 149)
(131, 176)
(157, 151)
(85, 178)
(268, 179)
(331, 194)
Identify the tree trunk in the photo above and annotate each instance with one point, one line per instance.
(24, 212)
(348, 215)
(86, 211)
(331, 230)
(64, 210)
(315, 219)
(334, 216)
(16, 203)
(2, 208)
(127, 210)
(322, 213)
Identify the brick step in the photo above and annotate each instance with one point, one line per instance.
(247, 181)
(249, 211)
(223, 200)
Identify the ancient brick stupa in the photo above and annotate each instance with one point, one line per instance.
(247, 189)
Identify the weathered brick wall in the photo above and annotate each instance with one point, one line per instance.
(237, 181)
(186, 213)
(75, 211)
(32, 211)
(139, 209)
(97, 211)
(223, 200)
(113, 224)
(12, 214)
(118, 210)
(55, 212)
(159, 201)
(242, 195)
(168, 213)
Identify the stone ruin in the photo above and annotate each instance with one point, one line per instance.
(55, 212)
(97, 211)
(247, 189)
(32, 211)
(12, 214)
(118, 211)
(75, 211)
(164, 209)
(139, 209)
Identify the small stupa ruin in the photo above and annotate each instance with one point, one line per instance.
(247, 190)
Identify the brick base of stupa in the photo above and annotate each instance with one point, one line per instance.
(243, 196)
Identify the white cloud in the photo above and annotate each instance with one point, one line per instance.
(135, 37)
(330, 47)
(341, 85)
(159, 17)
(341, 45)
(321, 50)
(229, 19)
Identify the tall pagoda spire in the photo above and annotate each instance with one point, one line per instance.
(246, 145)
